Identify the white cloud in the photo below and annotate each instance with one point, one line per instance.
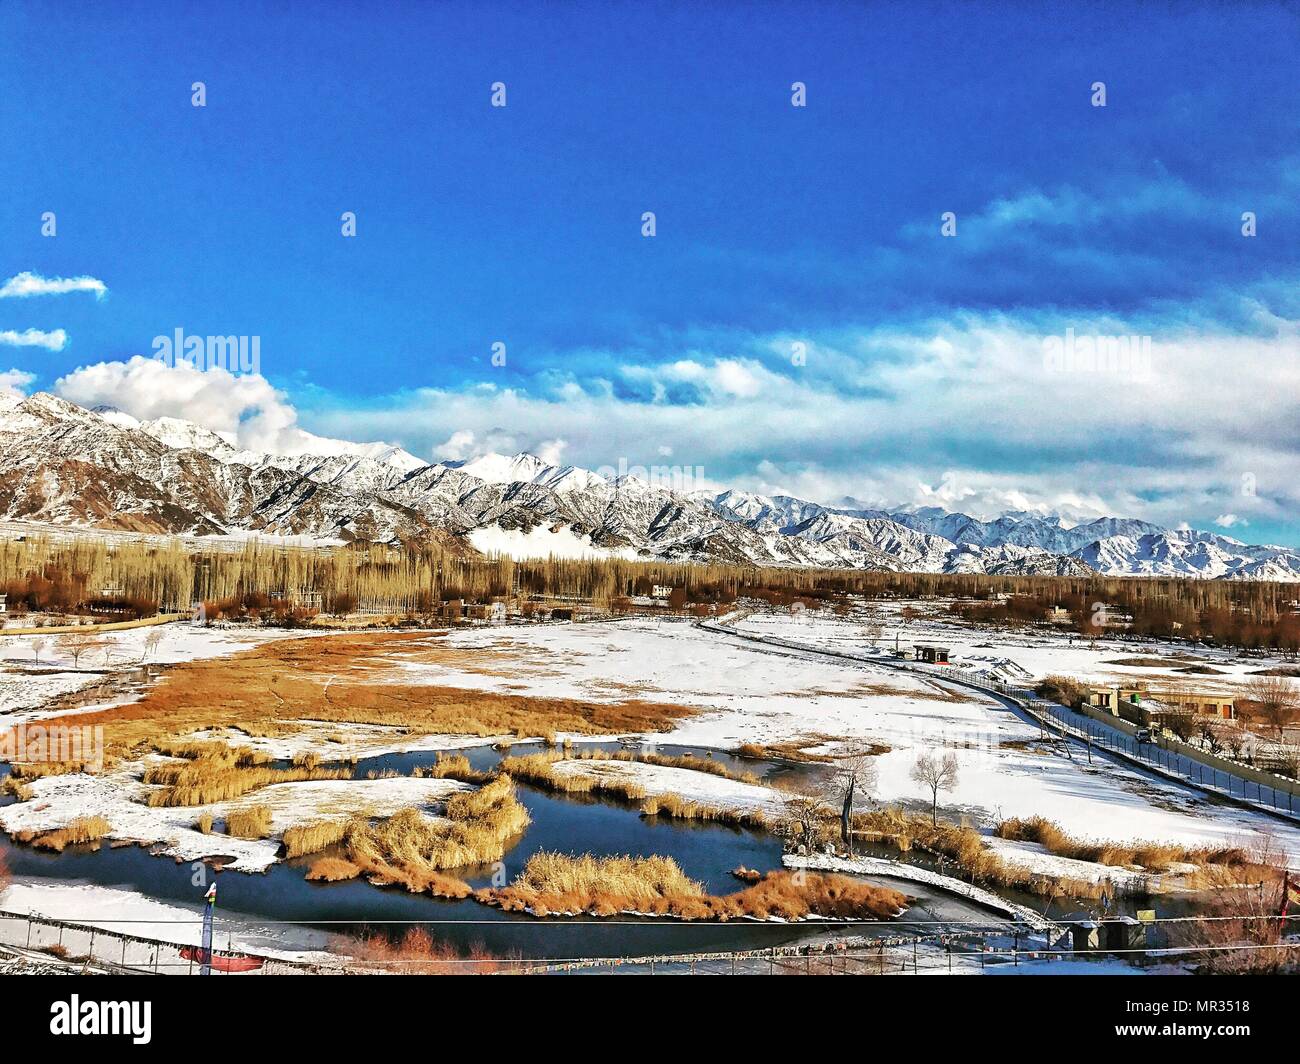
(51, 341)
(15, 381)
(881, 413)
(457, 446)
(467, 444)
(964, 413)
(244, 408)
(33, 284)
(1229, 521)
(551, 451)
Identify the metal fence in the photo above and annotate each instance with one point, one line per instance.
(1166, 756)
(96, 947)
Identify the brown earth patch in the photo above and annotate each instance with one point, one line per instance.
(346, 679)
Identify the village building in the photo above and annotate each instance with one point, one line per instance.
(932, 655)
(1138, 706)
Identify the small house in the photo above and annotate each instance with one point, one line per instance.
(931, 655)
(1057, 615)
(1112, 699)
(4, 607)
(1205, 705)
(660, 591)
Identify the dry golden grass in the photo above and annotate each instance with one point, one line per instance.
(418, 954)
(454, 767)
(539, 770)
(204, 823)
(961, 844)
(82, 830)
(679, 808)
(213, 772)
(1154, 856)
(332, 870)
(251, 823)
(686, 761)
(410, 850)
(13, 785)
(332, 679)
(558, 884)
(303, 839)
(790, 750)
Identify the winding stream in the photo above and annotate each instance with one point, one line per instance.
(569, 824)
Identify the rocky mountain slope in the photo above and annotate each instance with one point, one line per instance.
(62, 464)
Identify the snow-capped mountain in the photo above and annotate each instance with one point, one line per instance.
(102, 468)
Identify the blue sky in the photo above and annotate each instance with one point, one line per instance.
(923, 379)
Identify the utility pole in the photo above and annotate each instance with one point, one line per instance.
(205, 950)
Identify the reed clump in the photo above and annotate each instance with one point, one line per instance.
(215, 772)
(679, 808)
(82, 830)
(417, 953)
(453, 767)
(686, 761)
(561, 884)
(965, 847)
(411, 849)
(1154, 856)
(253, 822)
(332, 870)
(539, 770)
(789, 750)
(303, 839)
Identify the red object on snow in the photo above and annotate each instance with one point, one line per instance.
(221, 963)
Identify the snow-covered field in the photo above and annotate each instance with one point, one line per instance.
(659, 780)
(1016, 655)
(743, 693)
(750, 694)
(119, 797)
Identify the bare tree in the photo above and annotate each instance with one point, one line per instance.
(1274, 701)
(76, 644)
(39, 645)
(852, 781)
(802, 815)
(938, 774)
(152, 640)
(1179, 712)
(1243, 934)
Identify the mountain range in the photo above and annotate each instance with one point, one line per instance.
(66, 465)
